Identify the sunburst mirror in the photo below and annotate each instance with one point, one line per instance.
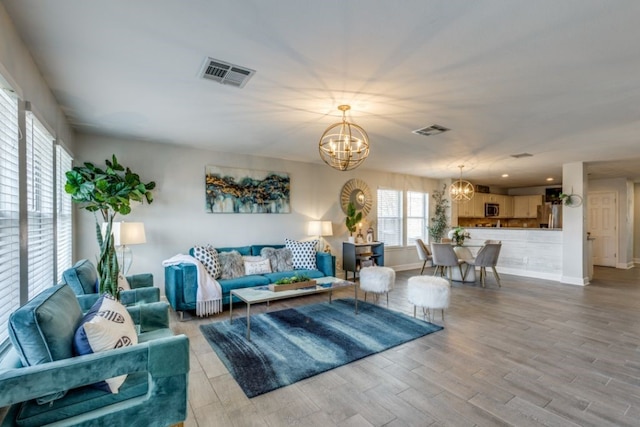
(357, 192)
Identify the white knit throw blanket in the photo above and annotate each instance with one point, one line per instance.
(209, 296)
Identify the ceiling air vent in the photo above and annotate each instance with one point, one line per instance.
(226, 73)
(521, 155)
(431, 130)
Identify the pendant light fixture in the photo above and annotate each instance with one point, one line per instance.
(344, 146)
(461, 190)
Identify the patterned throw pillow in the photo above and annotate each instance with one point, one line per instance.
(303, 253)
(280, 259)
(232, 265)
(256, 265)
(106, 326)
(208, 257)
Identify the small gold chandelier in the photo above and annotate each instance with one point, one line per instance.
(460, 190)
(344, 146)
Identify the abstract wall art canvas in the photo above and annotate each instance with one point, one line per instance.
(232, 190)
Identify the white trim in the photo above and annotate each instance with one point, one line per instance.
(624, 266)
(579, 281)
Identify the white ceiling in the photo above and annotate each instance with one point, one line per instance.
(559, 79)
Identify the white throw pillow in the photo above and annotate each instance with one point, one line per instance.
(256, 265)
(303, 254)
(106, 326)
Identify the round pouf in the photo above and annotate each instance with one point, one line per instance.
(378, 280)
(429, 292)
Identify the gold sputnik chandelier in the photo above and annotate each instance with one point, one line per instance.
(344, 146)
(461, 190)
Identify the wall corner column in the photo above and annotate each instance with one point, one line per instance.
(574, 226)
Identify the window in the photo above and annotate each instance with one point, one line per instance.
(40, 234)
(393, 225)
(417, 217)
(390, 217)
(64, 248)
(9, 212)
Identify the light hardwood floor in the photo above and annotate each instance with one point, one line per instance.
(530, 353)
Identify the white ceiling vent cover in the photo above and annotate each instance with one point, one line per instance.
(431, 130)
(226, 73)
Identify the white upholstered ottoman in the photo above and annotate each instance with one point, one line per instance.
(379, 280)
(429, 292)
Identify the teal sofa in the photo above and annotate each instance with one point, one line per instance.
(83, 280)
(154, 393)
(180, 281)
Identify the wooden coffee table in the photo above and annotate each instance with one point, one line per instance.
(261, 294)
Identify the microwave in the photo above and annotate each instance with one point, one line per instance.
(491, 209)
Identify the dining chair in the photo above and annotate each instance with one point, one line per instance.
(487, 257)
(445, 258)
(423, 253)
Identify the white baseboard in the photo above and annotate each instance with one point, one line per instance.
(626, 266)
(578, 281)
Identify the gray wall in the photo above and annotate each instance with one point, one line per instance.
(176, 220)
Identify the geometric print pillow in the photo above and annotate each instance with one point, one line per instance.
(303, 253)
(106, 326)
(208, 257)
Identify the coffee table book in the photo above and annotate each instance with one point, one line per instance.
(290, 286)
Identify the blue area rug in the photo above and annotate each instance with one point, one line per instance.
(289, 345)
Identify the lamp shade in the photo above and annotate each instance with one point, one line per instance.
(132, 233)
(126, 233)
(327, 228)
(320, 228)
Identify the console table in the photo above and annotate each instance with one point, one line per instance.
(353, 255)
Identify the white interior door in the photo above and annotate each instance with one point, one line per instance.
(603, 225)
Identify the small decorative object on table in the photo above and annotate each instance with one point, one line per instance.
(370, 234)
(290, 283)
(458, 235)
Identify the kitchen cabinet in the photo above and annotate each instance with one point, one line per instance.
(353, 255)
(526, 206)
(466, 209)
(506, 206)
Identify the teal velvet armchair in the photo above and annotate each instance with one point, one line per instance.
(83, 279)
(154, 393)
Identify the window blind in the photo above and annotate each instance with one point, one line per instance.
(9, 212)
(390, 217)
(40, 243)
(64, 244)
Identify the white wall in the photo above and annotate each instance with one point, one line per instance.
(176, 220)
(18, 69)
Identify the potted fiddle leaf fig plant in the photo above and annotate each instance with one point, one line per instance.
(352, 219)
(107, 191)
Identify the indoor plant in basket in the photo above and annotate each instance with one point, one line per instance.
(108, 191)
(295, 282)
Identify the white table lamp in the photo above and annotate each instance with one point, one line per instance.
(124, 235)
(320, 229)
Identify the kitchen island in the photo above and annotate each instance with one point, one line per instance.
(530, 252)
